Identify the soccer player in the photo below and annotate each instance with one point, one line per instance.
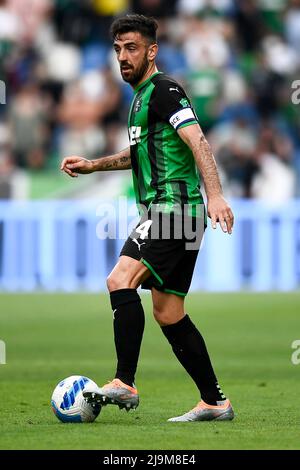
(167, 148)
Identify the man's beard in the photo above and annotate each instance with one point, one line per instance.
(137, 74)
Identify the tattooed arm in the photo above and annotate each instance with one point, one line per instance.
(217, 207)
(74, 165)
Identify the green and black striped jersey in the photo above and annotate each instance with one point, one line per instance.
(163, 166)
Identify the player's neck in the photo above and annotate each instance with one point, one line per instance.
(148, 74)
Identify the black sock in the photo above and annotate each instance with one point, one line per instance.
(190, 349)
(129, 322)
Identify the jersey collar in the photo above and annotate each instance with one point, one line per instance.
(141, 85)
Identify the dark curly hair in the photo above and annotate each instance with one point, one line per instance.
(144, 25)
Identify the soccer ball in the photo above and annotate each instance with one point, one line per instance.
(68, 403)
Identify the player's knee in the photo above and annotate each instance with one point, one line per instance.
(162, 316)
(166, 315)
(113, 283)
(117, 281)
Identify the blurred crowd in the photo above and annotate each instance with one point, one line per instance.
(237, 60)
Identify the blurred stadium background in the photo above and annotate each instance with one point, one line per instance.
(238, 60)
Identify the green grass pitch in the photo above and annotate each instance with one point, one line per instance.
(249, 336)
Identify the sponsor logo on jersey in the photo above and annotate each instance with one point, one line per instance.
(134, 135)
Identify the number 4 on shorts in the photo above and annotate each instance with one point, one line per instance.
(143, 229)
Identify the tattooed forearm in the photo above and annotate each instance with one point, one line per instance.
(204, 158)
(111, 163)
(120, 161)
(207, 166)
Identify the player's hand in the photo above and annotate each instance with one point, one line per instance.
(74, 165)
(220, 212)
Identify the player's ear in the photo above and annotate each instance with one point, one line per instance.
(152, 51)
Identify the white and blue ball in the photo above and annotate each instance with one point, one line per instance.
(68, 403)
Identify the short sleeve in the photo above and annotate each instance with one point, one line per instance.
(172, 105)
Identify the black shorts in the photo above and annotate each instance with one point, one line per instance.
(168, 245)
